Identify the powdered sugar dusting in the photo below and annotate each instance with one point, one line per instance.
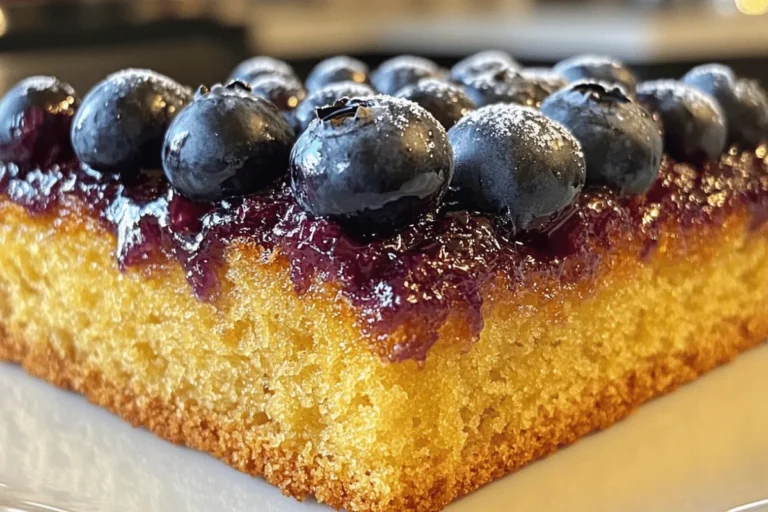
(680, 93)
(401, 111)
(407, 61)
(514, 121)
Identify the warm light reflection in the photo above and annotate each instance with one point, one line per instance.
(752, 7)
(3, 22)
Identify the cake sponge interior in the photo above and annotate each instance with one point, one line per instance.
(285, 386)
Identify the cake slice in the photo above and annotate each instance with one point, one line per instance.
(391, 356)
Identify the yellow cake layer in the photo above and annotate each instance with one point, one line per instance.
(285, 386)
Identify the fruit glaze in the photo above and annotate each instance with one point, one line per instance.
(370, 192)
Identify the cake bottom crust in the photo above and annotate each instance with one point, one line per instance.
(202, 430)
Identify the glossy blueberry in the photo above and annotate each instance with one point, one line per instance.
(284, 92)
(548, 78)
(35, 119)
(621, 141)
(694, 124)
(122, 120)
(397, 72)
(514, 162)
(505, 86)
(447, 102)
(226, 143)
(337, 69)
(252, 68)
(597, 68)
(488, 61)
(371, 164)
(744, 102)
(328, 95)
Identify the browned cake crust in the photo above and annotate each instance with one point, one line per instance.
(202, 430)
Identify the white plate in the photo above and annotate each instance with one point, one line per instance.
(704, 448)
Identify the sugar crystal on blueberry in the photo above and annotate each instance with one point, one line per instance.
(694, 124)
(122, 121)
(226, 143)
(372, 164)
(514, 162)
(621, 141)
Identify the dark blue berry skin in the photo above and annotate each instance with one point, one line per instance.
(284, 92)
(744, 102)
(337, 69)
(373, 165)
(488, 61)
(226, 143)
(446, 102)
(548, 78)
(597, 68)
(328, 95)
(621, 142)
(35, 119)
(122, 121)
(252, 68)
(506, 86)
(398, 72)
(694, 124)
(513, 162)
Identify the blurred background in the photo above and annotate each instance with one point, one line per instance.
(200, 41)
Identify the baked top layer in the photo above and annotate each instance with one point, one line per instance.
(411, 225)
(445, 265)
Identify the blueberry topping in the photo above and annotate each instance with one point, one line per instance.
(505, 86)
(694, 124)
(744, 102)
(35, 119)
(337, 69)
(371, 164)
(447, 102)
(488, 61)
(621, 141)
(597, 68)
(252, 68)
(122, 120)
(226, 143)
(284, 92)
(397, 72)
(328, 95)
(548, 78)
(514, 162)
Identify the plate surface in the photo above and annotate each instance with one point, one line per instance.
(703, 448)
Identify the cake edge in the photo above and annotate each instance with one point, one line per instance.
(194, 428)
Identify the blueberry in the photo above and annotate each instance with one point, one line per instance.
(226, 143)
(621, 141)
(488, 61)
(397, 72)
(447, 102)
(514, 162)
(744, 102)
(694, 124)
(255, 67)
(337, 69)
(597, 68)
(35, 119)
(505, 86)
(122, 120)
(548, 78)
(283, 91)
(328, 95)
(371, 164)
